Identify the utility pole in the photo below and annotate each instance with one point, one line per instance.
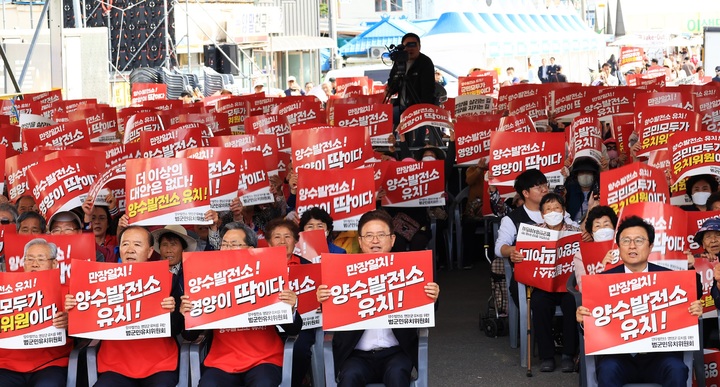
(332, 27)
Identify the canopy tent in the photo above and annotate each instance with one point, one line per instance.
(383, 33)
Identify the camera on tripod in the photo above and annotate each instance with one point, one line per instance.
(397, 53)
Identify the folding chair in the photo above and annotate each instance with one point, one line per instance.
(183, 363)
(317, 361)
(420, 375)
(198, 350)
(72, 373)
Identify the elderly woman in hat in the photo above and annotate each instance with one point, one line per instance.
(708, 237)
(170, 242)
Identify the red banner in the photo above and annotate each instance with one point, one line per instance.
(143, 92)
(303, 280)
(69, 135)
(167, 142)
(60, 184)
(414, 184)
(586, 138)
(301, 111)
(512, 154)
(531, 105)
(345, 195)
(655, 125)
(28, 303)
(610, 101)
(236, 288)
(482, 85)
(547, 257)
(224, 173)
(640, 312)
(377, 291)
(706, 269)
(473, 105)
(167, 191)
(472, 139)
(16, 171)
(694, 153)
(680, 100)
(341, 84)
(120, 301)
(632, 183)
(376, 118)
(254, 184)
(70, 248)
(568, 102)
(424, 114)
(520, 123)
(328, 148)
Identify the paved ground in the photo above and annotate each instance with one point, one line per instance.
(461, 354)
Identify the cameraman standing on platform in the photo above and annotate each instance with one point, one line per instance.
(413, 78)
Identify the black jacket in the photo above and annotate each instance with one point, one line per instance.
(419, 81)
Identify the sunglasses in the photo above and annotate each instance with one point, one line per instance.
(411, 44)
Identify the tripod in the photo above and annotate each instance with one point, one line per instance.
(406, 93)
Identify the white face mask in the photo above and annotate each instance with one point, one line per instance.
(585, 180)
(428, 158)
(700, 198)
(553, 218)
(603, 235)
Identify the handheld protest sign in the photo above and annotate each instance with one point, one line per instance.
(167, 143)
(68, 135)
(302, 111)
(471, 105)
(143, 92)
(377, 291)
(270, 124)
(632, 183)
(28, 304)
(478, 85)
(376, 118)
(346, 195)
(224, 172)
(654, 126)
(586, 138)
(424, 114)
(693, 154)
(593, 253)
(304, 280)
(120, 301)
(414, 184)
(167, 191)
(640, 312)
(311, 245)
(547, 257)
(236, 288)
(511, 154)
(329, 148)
(472, 139)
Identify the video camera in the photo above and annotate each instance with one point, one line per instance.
(397, 53)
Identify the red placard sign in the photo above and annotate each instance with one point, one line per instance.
(167, 191)
(167, 142)
(630, 58)
(311, 245)
(302, 111)
(69, 135)
(482, 85)
(236, 288)
(424, 114)
(376, 118)
(120, 301)
(143, 92)
(270, 124)
(101, 123)
(640, 312)
(511, 154)
(254, 184)
(377, 291)
(547, 257)
(224, 172)
(330, 148)
(141, 122)
(472, 139)
(471, 105)
(586, 138)
(632, 183)
(345, 195)
(414, 184)
(694, 153)
(593, 254)
(28, 303)
(304, 280)
(670, 224)
(655, 125)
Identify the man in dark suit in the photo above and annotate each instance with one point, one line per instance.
(635, 240)
(375, 355)
(544, 72)
(552, 69)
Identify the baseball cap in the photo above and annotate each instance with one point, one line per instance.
(291, 79)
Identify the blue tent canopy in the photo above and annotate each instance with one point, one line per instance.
(383, 33)
(450, 22)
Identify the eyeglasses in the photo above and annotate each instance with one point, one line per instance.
(411, 44)
(66, 230)
(639, 241)
(233, 245)
(371, 237)
(5, 221)
(542, 187)
(33, 261)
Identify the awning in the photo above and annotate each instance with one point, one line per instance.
(298, 43)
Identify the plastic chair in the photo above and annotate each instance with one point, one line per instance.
(72, 374)
(588, 378)
(317, 361)
(200, 347)
(419, 380)
(183, 370)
